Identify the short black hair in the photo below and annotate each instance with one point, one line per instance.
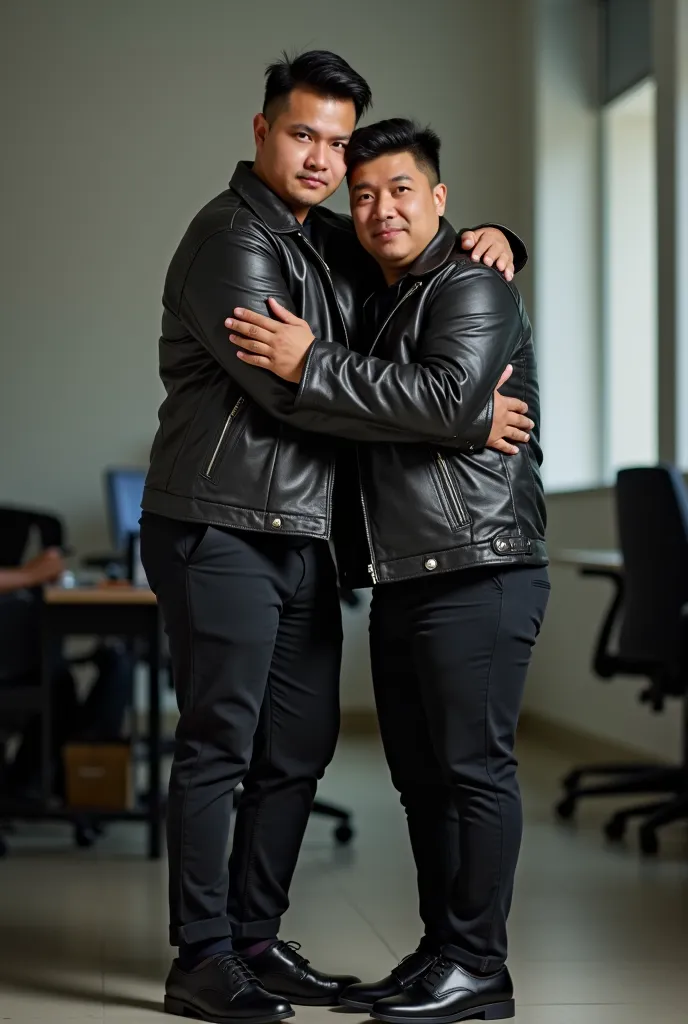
(395, 135)
(324, 72)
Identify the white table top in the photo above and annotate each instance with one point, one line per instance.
(588, 558)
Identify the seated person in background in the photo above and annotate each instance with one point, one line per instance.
(100, 716)
(45, 568)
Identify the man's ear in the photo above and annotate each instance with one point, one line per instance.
(260, 130)
(439, 194)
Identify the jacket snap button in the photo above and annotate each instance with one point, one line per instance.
(501, 544)
(276, 523)
(430, 563)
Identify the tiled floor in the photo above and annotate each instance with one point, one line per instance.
(597, 936)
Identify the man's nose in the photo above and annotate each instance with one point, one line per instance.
(384, 209)
(317, 157)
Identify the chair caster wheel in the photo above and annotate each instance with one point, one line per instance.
(343, 834)
(85, 836)
(649, 844)
(571, 781)
(615, 829)
(566, 808)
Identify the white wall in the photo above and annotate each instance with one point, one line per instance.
(630, 276)
(120, 119)
(566, 216)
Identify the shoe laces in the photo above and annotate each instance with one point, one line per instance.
(416, 954)
(438, 971)
(295, 947)
(232, 965)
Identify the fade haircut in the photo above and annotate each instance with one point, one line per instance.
(395, 135)
(320, 70)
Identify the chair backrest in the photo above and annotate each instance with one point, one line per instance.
(20, 612)
(123, 491)
(20, 636)
(652, 518)
(16, 525)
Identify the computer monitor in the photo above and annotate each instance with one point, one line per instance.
(124, 491)
(136, 574)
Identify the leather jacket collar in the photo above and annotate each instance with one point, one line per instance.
(274, 213)
(437, 252)
(433, 256)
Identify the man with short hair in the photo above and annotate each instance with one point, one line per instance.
(237, 511)
(454, 541)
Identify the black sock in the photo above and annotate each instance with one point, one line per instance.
(191, 954)
(252, 947)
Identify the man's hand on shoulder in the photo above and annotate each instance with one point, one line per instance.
(491, 246)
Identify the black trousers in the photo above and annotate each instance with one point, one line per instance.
(449, 657)
(255, 634)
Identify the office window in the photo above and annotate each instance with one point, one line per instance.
(630, 289)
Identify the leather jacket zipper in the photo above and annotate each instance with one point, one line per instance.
(228, 422)
(459, 517)
(325, 267)
(371, 568)
(401, 301)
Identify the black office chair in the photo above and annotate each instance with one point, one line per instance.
(18, 663)
(649, 612)
(16, 525)
(124, 491)
(22, 693)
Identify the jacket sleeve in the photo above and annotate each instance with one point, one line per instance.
(471, 331)
(236, 268)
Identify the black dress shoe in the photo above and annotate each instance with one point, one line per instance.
(449, 993)
(408, 971)
(281, 969)
(222, 990)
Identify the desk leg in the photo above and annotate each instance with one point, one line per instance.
(154, 751)
(47, 645)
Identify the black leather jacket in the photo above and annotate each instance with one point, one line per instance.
(233, 447)
(439, 342)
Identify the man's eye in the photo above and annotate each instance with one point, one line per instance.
(339, 145)
(302, 135)
(403, 188)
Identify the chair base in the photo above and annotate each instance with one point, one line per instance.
(343, 832)
(627, 780)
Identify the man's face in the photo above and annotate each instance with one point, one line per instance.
(396, 210)
(300, 153)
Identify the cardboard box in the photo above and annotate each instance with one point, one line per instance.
(99, 775)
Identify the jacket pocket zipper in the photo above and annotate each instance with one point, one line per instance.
(456, 507)
(225, 432)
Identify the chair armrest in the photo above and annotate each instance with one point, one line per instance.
(605, 664)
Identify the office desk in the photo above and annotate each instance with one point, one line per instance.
(119, 610)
